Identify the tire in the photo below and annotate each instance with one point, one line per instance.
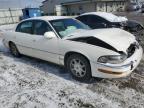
(13, 49)
(79, 67)
(137, 29)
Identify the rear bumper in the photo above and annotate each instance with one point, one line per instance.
(117, 70)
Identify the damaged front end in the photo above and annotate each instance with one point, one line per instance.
(114, 65)
(110, 59)
(94, 41)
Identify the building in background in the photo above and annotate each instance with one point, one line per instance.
(9, 16)
(82, 6)
(75, 7)
(52, 7)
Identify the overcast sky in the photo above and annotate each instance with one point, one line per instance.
(19, 3)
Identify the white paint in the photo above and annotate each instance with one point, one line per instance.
(108, 16)
(54, 49)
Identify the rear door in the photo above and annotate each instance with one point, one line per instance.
(23, 37)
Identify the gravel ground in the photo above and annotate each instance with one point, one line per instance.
(31, 83)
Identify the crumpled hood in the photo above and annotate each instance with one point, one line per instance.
(117, 38)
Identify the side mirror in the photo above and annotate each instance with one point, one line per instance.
(49, 35)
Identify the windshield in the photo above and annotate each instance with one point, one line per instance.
(64, 27)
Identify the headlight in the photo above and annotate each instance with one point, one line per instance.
(113, 59)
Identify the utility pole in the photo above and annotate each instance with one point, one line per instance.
(11, 15)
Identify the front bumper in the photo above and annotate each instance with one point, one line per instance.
(117, 70)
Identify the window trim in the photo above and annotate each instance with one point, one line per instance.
(32, 20)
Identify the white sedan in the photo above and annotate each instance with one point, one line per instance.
(86, 53)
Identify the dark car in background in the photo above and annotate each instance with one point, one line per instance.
(134, 26)
(96, 20)
(142, 8)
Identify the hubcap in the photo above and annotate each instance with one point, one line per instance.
(77, 67)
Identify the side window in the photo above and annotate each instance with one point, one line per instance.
(95, 19)
(92, 18)
(83, 19)
(25, 27)
(96, 22)
(40, 27)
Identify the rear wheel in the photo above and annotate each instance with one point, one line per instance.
(138, 28)
(14, 50)
(79, 67)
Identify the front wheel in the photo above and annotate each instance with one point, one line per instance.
(79, 67)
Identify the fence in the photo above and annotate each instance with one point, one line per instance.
(9, 16)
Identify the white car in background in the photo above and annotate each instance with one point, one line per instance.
(97, 20)
(86, 53)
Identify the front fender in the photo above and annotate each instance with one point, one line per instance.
(92, 52)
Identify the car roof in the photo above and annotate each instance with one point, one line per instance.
(108, 16)
(48, 18)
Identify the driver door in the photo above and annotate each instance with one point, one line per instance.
(46, 49)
